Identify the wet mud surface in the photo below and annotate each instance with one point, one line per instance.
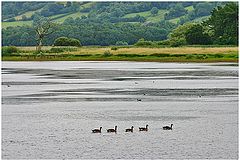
(50, 108)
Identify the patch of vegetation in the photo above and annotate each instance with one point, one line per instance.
(160, 55)
(114, 48)
(142, 42)
(65, 41)
(60, 50)
(107, 54)
(130, 55)
(9, 50)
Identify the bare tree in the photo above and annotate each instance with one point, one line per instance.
(43, 28)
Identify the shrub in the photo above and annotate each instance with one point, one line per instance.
(189, 56)
(114, 48)
(121, 43)
(74, 42)
(7, 50)
(218, 55)
(142, 42)
(60, 50)
(177, 42)
(56, 50)
(61, 41)
(64, 41)
(200, 56)
(163, 42)
(107, 53)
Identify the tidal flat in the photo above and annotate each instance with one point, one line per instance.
(49, 109)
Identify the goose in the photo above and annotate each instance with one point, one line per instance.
(143, 128)
(167, 127)
(97, 130)
(112, 130)
(129, 130)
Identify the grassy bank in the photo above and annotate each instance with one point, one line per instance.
(180, 54)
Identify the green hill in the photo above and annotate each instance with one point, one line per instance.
(101, 23)
(121, 11)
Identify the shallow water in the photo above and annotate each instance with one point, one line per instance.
(50, 108)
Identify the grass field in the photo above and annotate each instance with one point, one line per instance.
(180, 54)
(147, 51)
(74, 15)
(189, 8)
(200, 58)
(16, 23)
(57, 18)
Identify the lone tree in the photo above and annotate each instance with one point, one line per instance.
(154, 11)
(43, 27)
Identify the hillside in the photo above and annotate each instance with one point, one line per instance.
(120, 23)
(22, 13)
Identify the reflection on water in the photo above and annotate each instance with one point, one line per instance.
(49, 109)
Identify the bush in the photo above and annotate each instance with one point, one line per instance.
(60, 50)
(121, 43)
(64, 41)
(177, 42)
(107, 53)
(74, 42)
(218, 55)
(200, 56)
(163, 42)
(7, 50)
(142, 42)
(56, 50)
(114, 48)
(61, 41)
(189, 56)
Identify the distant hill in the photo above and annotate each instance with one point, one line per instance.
(100, 23)
(22, 13)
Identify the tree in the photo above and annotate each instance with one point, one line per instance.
(178, 36)
(43, 27)
(195, 35)
(64, 41)
(224, 24)
(24, 39)
(175, 11)
(68, 4)
(154, 11)
(203, 9)
(183, 20)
